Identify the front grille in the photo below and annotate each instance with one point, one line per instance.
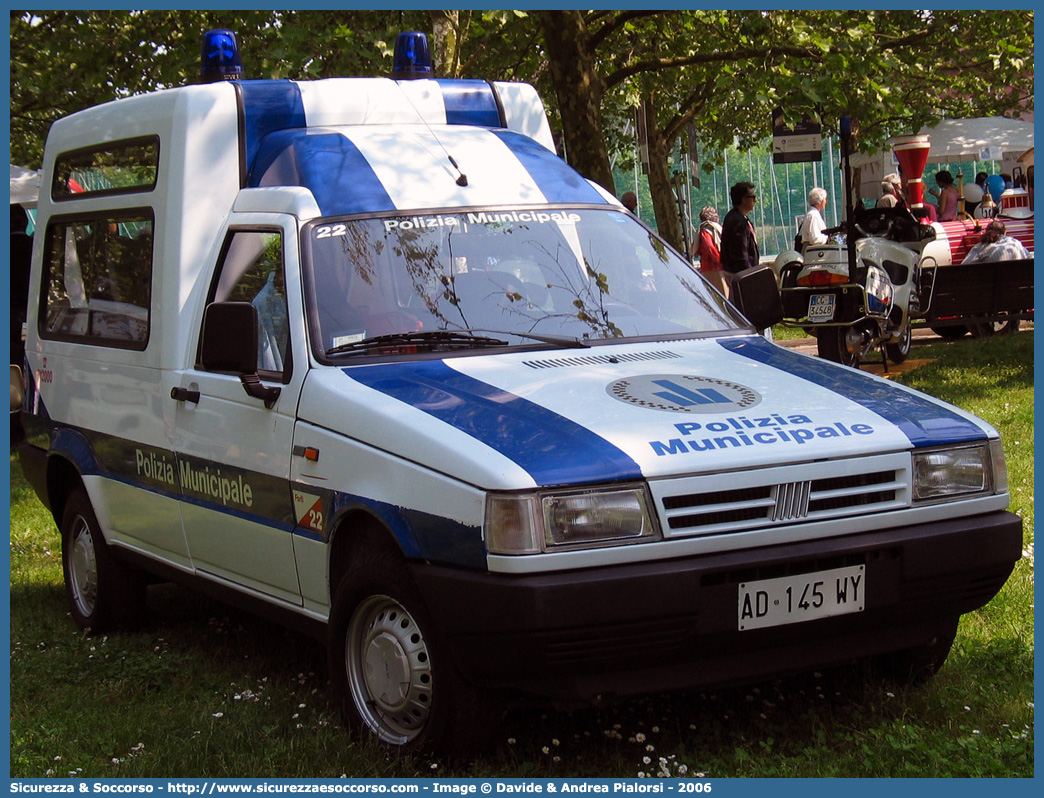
(717, 504)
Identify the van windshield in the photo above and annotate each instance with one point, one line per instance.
(582, 274)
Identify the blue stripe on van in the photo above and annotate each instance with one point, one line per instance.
(923, 421)
(553, 449)
(268, 105)
(558, 181)
(470, 102)
(326, 163)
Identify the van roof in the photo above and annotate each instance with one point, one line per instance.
(397, 138)
(380, 168)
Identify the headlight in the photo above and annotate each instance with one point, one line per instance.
(557, 521)
(945, 473)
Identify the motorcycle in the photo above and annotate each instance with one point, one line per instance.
(859, 294)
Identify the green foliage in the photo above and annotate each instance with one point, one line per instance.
(53, 74)
(892, 70)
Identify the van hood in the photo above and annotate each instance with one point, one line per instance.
(634, 411)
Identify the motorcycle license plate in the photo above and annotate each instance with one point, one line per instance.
(805, 597)
(821, 307)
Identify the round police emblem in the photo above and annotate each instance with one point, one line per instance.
(681, 393)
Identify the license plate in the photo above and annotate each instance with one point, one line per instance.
(793, 599)
(821, 307)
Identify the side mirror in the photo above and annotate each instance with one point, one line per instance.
(755, 293)
(230, 344)
(17, 389)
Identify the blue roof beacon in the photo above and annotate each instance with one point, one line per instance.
(220, 59)
(412, 59)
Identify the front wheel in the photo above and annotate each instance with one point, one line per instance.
(898, 352)
(988, 328)
(103, 593)
(832, 344)
(390, 675)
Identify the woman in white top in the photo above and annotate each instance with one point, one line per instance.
(813, 229)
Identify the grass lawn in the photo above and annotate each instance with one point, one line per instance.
(205, 691)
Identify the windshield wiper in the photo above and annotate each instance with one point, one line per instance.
(443, 340)
(555, 340)
(425, 341)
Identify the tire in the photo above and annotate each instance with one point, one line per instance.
(900, 350)
(951, 332)
(390, 675)
(982, 329)
(913, 667)
(788, 274)
(830, 344)
(1011, 327)
(103, 593)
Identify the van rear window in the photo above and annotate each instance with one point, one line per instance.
(117, 167)
(97, 283)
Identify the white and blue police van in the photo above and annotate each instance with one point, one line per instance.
(367, 356)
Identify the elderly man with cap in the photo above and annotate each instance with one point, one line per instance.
(891, 191)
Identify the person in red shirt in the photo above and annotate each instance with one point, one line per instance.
(707, 247)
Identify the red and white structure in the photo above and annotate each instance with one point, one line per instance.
(953, 240)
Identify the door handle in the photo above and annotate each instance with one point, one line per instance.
(184, 395)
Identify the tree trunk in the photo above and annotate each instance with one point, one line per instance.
(664, 204)
(445, 46)
(579, 90)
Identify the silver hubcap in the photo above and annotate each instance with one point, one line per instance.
(853, 341)
(906, 340)
(389, 670)
(83, 569)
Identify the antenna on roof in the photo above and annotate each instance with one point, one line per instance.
(219, 59)
(412, 61)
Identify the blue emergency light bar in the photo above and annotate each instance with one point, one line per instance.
(220, 59)
(412, 58)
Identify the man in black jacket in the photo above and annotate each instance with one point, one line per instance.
(739, 247)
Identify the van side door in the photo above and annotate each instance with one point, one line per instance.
(95, 389)
(233, 448)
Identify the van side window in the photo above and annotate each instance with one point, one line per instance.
(118, 167)
(97, 282)
(252, 271)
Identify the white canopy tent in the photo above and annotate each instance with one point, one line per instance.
(25, 186)
(991, 138)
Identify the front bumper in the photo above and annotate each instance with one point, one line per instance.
(672, 624)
